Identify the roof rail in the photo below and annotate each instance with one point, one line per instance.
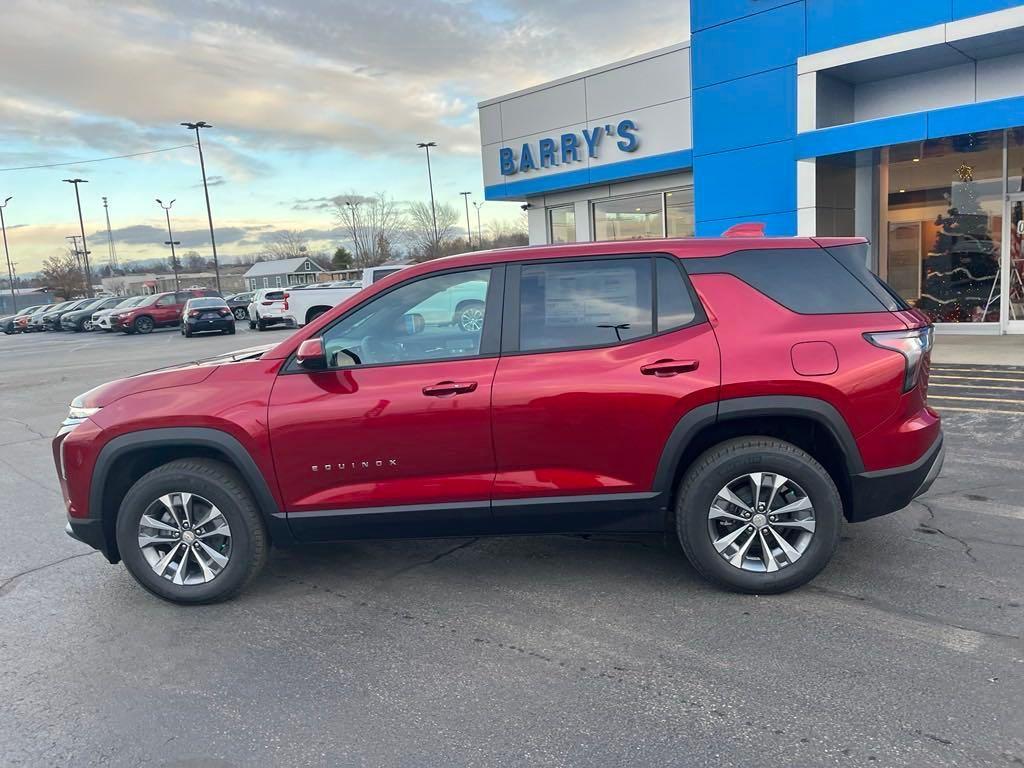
(746, 229)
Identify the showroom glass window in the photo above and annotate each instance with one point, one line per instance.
(436, 318)
(584, 303)
(562, 222)
(944, 225)
(629, 218)
(679, 213)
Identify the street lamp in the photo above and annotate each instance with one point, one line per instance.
(426, 145)
(206, 191)
(171, 242)
(479, 235)
(81, 225)
(469, 230)
(7, 253)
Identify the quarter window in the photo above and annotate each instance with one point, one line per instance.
(584, 303)
(436, 318)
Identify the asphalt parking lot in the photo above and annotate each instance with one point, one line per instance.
(907, 650)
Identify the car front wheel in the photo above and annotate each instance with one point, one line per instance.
(143, 324)
(758, 515)
(189, 532)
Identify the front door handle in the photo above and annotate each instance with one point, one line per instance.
(449, 388)
(668, 367)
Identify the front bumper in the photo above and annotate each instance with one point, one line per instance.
(873, 494)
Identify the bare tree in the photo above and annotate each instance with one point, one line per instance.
(62, 275)
(193, 261)
(373, 223)
(288, 244)
(422, 241)
(504, 233)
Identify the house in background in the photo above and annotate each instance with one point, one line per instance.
(282, 273)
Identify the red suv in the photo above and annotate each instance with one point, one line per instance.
(158, 311)
(746, 393)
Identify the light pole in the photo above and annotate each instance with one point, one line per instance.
(469, 230)
(426, 145)
(85, 247)
(7, 253)
(479, 233)
(112, 257)
(206, 191)
(171, 242)
(78, 254)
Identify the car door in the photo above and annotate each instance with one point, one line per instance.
(394, 437)
(601, 359)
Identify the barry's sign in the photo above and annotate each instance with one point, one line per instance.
(568, 147)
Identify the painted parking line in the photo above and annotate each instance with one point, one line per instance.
(946, 408)
(975, 399)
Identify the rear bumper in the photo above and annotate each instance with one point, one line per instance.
(873, 494)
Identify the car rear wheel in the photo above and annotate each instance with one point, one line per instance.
(470, 317)
(143, 324)
(758, 515)
(260, 324)
(189, 532)
(240, 313)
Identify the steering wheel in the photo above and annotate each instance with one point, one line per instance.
(376, 350)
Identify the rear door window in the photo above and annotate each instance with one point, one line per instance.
(584, 303)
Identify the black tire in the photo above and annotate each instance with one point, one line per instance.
(252, 325)
(240, 313)
(143, 324)
(723, 463)
(470, 310)
(314, 314)
(186, 331)
(231, 331)
(226, 489)
(260, 324)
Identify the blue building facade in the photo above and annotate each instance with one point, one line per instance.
(900, 122)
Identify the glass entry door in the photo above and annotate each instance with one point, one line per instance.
(1013, 273)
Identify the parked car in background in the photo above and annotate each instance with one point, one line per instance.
(157, 311)
(51, 319)
(305, 303)
(10, 325)
(239, 304)
(80, 319)
(24, 322)
(101, 318)
(268, 308)
(207, 313)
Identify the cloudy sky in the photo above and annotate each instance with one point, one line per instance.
(309, 98)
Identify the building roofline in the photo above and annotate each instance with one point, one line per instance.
(586, 73)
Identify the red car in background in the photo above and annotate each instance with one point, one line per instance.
(161, 310)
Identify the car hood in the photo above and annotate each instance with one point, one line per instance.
(183, 375)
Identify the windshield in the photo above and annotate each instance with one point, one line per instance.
(129, 302)
(148, 300)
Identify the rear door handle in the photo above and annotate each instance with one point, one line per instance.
(668, 367)
(449, 388)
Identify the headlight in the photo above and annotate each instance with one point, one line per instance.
(77, 413)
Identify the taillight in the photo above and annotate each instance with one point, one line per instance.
(913, 345)
(223, 312)
(194, 313)
(286, 301)
(266, 303)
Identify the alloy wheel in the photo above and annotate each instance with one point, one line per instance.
(471, 319)
(761, 522)
(185, 538)
(241, 314)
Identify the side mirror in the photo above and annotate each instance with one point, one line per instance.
(311, 355)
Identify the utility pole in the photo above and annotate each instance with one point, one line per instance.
(171, 242)
(78, 254)
(479, 233)
(85, 247)
(206, 191)
(426, 145)
(7, 253)
(469, 231)
(112, 257)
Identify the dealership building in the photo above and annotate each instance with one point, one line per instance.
(902, 122)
